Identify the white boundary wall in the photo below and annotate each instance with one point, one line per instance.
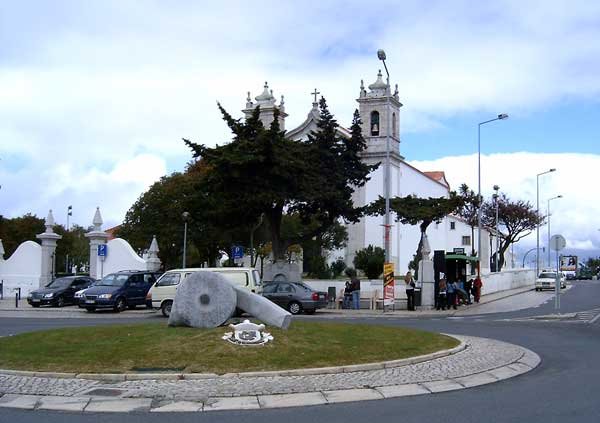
(492, 283)
(120, 256)
(22, 270)
(507, 279)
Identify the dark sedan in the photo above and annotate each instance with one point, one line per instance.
(295, 297)
(59, 292)
(126, 289)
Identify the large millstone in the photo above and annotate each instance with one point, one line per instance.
(203, 300)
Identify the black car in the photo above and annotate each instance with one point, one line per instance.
(295, 296)
(59, 292)
(119, 291)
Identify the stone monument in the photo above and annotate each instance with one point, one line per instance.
(208, 300)
(426, 276)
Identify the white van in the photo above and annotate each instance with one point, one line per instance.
(162, 293)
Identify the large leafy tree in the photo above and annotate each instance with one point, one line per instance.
(469, 210)
(19, 229)
(517, 219)
(412, 210)
(261, 172)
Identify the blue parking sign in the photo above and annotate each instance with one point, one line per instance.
(102, 250)
(237, 252)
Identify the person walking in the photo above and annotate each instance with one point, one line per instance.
(468, 289)
(441, 302)
(451, 293)
(410, 290)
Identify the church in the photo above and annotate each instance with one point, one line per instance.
(379, 110)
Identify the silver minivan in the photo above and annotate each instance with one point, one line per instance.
(162, 293)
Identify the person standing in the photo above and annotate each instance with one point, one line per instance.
(451, 293)
(355, 287)
(468, 289)
(410, 290)
(441, 303)
(477, 288)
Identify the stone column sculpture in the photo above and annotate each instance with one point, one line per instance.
(97, 237)
(48, 239)
(426, 276)
(153, 262)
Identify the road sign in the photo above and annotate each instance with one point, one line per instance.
(388, 284)
(102, 250)
(237, 251)
(557, 242)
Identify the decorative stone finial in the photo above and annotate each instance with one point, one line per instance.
(97, 222)
(249, 103)
(153, 250)
(396, 92)
(1, 250)
(49, 223)
(266, 97)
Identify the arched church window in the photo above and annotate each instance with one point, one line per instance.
(375, 123)
(394, 133)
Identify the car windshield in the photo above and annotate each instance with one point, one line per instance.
(547, 275)
(60, 283)
(113, 280)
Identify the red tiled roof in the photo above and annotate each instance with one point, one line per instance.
(439, 176)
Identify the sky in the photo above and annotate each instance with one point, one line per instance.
(96, 96)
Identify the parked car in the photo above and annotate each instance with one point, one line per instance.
(126, 289)
(59, 292)
(547, 280)
(79, 294)
(162, 293)
(295, 297)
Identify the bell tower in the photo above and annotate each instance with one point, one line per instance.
(266, 101)
(380, 114)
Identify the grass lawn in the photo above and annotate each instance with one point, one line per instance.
(156, 347)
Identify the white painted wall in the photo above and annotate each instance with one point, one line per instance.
(120, 256)
(22, 270)
(507, 279)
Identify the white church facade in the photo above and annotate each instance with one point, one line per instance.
(379, 109)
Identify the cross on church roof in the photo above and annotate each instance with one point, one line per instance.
(315, 93)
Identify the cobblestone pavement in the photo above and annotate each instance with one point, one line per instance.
(481, 355)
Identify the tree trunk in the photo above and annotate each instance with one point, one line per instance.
(503, 247)
(274, 218)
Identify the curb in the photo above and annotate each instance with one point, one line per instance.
(85, 404)
(122, 377)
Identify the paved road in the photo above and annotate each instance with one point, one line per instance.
(564, 388)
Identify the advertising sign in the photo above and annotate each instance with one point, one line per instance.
(388, 284)
(568, 263)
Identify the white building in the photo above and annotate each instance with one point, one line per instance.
(380, 113)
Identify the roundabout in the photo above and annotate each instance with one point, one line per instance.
(470, 361)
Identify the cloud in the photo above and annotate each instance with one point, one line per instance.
(575, 216)
(91, 90)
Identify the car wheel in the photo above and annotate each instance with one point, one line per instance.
(90, 309)
(165, 308)
(294, 307)
(60, 302)
(120, 305)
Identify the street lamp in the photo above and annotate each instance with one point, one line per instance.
(496, 196)
(537, 193)
(69, 214)
(548, 213)
(501, 116)
(381, 56)
(185, 216)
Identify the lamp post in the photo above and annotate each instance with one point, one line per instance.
(537, 193)
(496, 188)
(548, 213)
(185, 216)
(501, 116)
(69, 214)
(381, 56)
